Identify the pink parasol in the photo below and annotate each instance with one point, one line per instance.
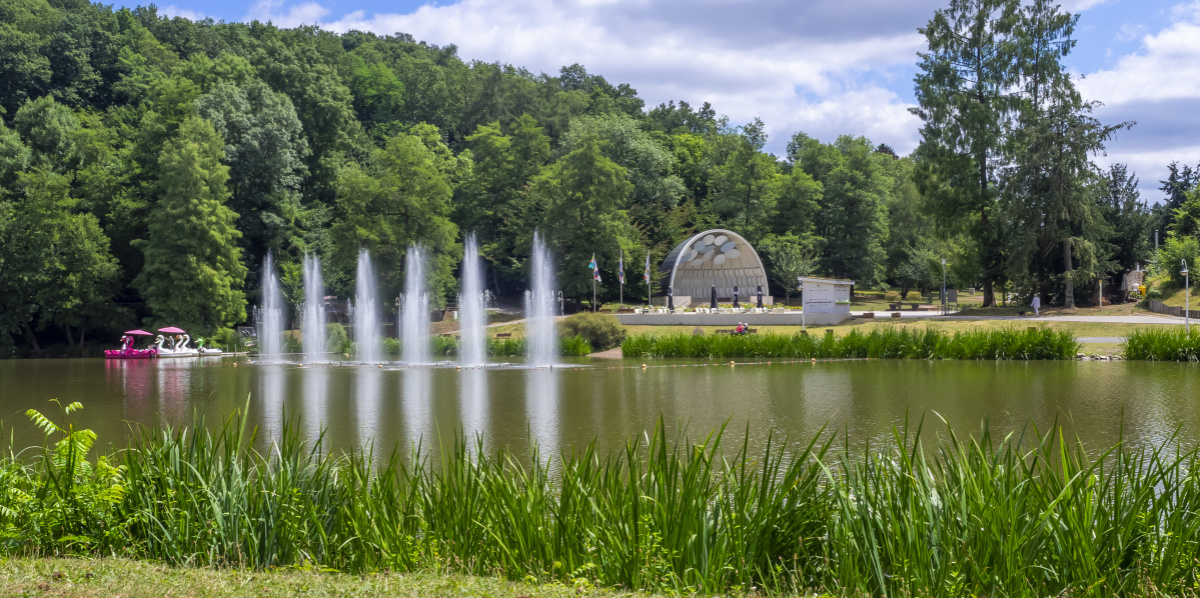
(140, 332)
(171, 330)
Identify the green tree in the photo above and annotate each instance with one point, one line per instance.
(54, 262)
(265, 150)
(852, 220)
(744, 188)
(789, 259)
(1050, 194)
(964, 95)
(399, 198)
(193, 274)
(584, 195)
(656, 188)
(47, 127)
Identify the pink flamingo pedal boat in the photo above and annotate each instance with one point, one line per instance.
(127, 351)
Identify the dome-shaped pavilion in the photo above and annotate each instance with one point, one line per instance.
(717, 257)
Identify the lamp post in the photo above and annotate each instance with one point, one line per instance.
(1156, 240)
(943, 286)
(1187, 312)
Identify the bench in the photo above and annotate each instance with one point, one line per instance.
(625, 310)
(734, 331)
(503, 335)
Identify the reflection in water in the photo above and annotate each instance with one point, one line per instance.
(174, 376)
(368, 399)
(566, 409)
(541, 409)
(271, 392)
(415, 404)
(316, 394)
(473, 404)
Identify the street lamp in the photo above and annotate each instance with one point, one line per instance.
(943, 286)
(1187, 312)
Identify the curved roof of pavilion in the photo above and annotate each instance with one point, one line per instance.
(718, 257)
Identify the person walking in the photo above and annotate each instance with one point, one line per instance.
(1036, 304)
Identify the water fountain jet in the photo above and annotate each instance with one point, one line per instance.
(540, 309)
(313, 324)
(414, 311)
(472, 307)
(270, 314)
(366, 311)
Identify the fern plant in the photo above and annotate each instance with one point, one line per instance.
(74, 506)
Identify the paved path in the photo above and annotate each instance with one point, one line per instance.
(1088, 340)
(1139, 319)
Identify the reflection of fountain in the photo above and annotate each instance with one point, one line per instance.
(541, 405)
(414, 310)
(415, 404)
(270, 397)
(472, 308)
(539, 308)
(270, 314)
(368, 395)
(473, 402)
(313, 325)
(366, 312)
(316, 387)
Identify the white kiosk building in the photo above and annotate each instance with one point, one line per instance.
(825, 301)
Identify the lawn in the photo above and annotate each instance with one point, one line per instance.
(111, 577)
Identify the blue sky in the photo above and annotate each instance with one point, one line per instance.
(824, 67)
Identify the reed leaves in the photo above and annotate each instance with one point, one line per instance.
(884, 343)
(1162, 344)
(1026, 514)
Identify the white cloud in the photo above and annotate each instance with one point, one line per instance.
(174, 11)
(1159, 87)
(307, 13)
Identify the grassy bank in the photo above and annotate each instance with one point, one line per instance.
(108, 577)
(1163, 344)
(880, 343)
(1013, 516)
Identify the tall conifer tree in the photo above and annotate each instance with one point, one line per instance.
(193, 275)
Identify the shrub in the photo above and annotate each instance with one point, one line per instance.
(1154, 294)
(600, 331)
(337, 337)
(892, 296)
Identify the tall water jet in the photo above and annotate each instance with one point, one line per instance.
(313, 324)
(414, 310)
(540, 335)
(366, 311)
(270, 314)
(472, 306)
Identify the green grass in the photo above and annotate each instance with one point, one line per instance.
(1162, 344)
(879, 343)
(127, 578)
(1021, 514)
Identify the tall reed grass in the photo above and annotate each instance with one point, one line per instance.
(881, 343)
(1161, 344)
(1015, 515)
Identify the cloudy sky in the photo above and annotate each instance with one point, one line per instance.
(825, 67)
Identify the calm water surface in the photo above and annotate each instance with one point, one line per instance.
(614, 401)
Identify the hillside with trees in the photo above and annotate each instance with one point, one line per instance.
(149, 164)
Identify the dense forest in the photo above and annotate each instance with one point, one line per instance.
(149, 164)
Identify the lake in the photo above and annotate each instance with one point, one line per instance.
(610, 402)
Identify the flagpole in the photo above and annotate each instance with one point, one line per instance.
(593, 293)
(621, 280)
(649, 292)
